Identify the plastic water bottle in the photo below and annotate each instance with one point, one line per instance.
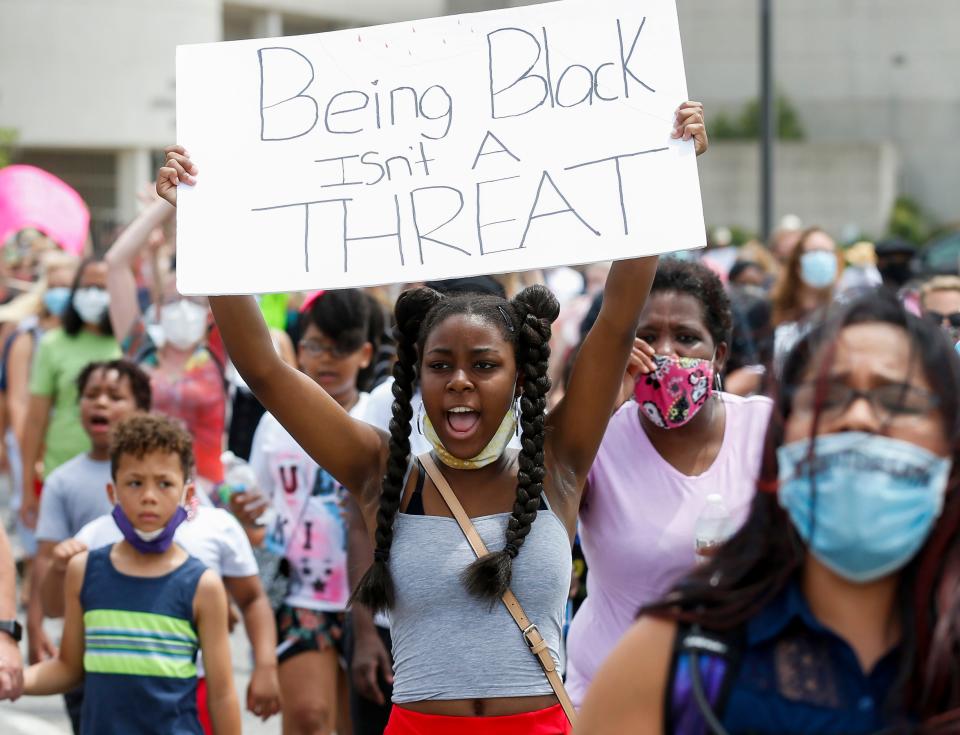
(238, 477)
(712, 528)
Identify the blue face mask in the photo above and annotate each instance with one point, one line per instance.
(864, 504)
(818, 268)
(55, 300)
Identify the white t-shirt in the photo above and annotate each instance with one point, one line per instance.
(312, 537)
(213, 536)
(73, 495)
(380, 412)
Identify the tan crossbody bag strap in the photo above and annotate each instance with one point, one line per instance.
(530, 632)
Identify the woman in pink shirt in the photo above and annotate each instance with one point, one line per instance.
(678, 440)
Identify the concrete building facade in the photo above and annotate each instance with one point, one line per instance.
(89, 84)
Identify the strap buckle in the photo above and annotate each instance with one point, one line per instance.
(527, 632)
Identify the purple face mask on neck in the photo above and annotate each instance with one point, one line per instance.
(152, 544)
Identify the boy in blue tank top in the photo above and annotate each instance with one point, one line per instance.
(138, 612)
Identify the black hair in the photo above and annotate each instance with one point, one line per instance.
(139, 380)
(686, 277)
(70, 320)
(469, 285)
(350, 318)
(523, 321)
(740, 267)
(751, 339)
(757, 563)
(694, 279)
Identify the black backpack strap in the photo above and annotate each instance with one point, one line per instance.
(717, 657)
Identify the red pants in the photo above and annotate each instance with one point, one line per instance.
(203, 712)
(551, 721)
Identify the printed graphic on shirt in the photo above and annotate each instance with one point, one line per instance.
(313, 538)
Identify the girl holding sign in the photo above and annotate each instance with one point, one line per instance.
(459, 657)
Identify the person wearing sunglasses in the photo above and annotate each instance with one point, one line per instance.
(940, 301)
(834, 608)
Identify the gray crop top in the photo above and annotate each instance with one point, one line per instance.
(450, 645)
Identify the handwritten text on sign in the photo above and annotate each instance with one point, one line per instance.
(481, 143)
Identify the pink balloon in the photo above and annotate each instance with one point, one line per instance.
(33, 198)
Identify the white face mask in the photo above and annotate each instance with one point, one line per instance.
(91, 304)
(149, 535)
(184, 324)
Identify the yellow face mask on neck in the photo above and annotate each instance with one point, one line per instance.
(489, 454)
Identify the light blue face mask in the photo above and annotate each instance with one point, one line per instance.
(55, 300)
(864, 504)
(818, 268)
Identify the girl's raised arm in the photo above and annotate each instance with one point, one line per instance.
(581, 418)
(350, 450)
(124, 307)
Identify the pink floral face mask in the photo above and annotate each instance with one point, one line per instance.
(673, 393)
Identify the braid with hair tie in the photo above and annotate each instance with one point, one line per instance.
(375, 589)
(535, 308)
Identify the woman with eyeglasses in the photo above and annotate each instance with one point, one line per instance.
(339, 331)
(835, 608)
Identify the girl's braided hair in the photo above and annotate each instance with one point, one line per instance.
(523, 321)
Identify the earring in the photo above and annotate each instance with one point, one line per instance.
(718, 381)
(516, 416)
(420, 419)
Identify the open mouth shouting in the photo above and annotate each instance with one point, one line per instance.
(99, 424)
(462, 421)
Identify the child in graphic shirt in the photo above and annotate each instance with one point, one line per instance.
(138, 612)
(307, 518)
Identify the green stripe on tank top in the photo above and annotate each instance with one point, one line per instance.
(139, 623)
(139, 644)
(139, 663)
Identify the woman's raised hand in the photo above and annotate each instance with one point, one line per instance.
(689, 123)
(641, 363)
(178, 168)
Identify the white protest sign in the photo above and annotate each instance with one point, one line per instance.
(482, 143)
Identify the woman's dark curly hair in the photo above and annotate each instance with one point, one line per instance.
(71, 321)
(523, 321)
(695, 279)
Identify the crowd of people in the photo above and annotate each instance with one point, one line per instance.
(403, 493)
